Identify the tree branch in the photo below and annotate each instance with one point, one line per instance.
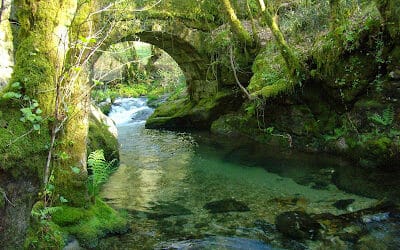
(236, 78)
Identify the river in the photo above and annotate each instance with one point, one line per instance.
(198, 191)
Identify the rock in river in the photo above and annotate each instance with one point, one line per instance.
(226, 205)
(297, 225)
(343, 204)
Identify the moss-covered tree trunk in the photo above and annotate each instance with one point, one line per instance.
(390, 12)
(236, 25)
(335, 13)
(70, 172)
(291, 60)
(41, 45)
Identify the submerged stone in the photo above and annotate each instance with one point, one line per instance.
(343, 204)
(226, 205)
(217, 242)
(298, 225)
(166, 210)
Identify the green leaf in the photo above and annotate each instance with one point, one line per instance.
(34, 105)
(63, 200)
(50, 187)
(31, 117)
(76, 170)
(26, 111)
(36, 126)
(11, 95)
(269, 130)
(16, 85)
(63, 156)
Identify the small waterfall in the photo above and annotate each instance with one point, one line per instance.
(130, 110)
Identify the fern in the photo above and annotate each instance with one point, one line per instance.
(45, 212)
(100, 169)
(385, 119)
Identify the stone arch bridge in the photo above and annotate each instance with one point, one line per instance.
(187, 46)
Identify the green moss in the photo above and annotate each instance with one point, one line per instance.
(271, 76)
(100, 138)
(368, 104)
(378, 146)
(44, 235)
(16, 155)
(69, 216)
(170, 110)
(183, 113)
(350, 35)
(35, 72)
(88, 225)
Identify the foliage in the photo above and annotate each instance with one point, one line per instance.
(151, 77)
(354, 31)
(100, 170)
(44, 234)
(386, 119)
(31, 111)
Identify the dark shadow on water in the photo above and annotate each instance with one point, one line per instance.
(316, 170)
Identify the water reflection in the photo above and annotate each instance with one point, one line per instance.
(154, 166)
(166, 180)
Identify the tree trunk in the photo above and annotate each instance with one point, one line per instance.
(236, 25)
(292, 62)
(335, 13)
(390, 12)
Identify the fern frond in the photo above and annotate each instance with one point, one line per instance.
(377, 119)
(101, 169)
(388, 115)
(386, 118)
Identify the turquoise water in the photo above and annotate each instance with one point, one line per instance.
(166, 179)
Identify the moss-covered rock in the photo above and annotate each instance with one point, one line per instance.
(185, 114)
(271, 77)
(239, 125)
(102, 135)
(43, 233)
(91, 224)
(226, 125)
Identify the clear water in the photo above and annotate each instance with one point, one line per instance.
(166, 178)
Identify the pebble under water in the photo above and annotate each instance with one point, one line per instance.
(195, 191)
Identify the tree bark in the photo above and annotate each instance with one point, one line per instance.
(236, 25)
(292, 62)
(390, 12)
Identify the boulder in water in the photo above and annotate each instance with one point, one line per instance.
(226, 205)
(168, 209)
(343, 204)
(297, 225)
